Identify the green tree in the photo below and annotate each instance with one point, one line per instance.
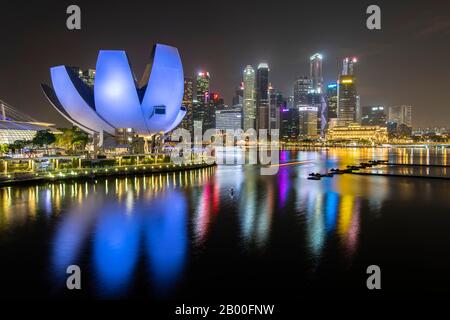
(44, 138)
(79, 138)
(64, 140)
(4, 148)
(72, 139)
(18, 145)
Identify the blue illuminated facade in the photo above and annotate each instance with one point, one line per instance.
(116, 101)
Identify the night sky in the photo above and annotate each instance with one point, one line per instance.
(407, 62)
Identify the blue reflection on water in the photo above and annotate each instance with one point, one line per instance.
(331, 210)
(68, 243)
(116, 244)
(166, 239)
(316, 234)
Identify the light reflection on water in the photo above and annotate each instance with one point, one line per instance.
(113, 227)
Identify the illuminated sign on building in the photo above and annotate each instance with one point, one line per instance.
(308, 108)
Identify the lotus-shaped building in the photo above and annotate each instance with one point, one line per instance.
(116, 100)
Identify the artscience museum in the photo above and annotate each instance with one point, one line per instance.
(117, 100)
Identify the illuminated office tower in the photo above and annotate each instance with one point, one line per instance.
(275, 102)
(305, 101)
(201, 103)
(347, 100)
(249, 107)
(322, 115)
(348, 66)
(401, 115)
(188, 98)
(373, 116)
(288, 123)
(316, 72)
(317, 101)
(358, 109)
(262, 96)
(302, 87)
(308, 121)
(88, 76)
(202, 85)
(228, 119)
(238, 98)
(332, 101)
(214, 103)
(290, 102)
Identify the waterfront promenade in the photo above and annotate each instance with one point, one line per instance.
(33, 170)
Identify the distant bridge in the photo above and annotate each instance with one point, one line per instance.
(9, 113)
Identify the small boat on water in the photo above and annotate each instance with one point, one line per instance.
(314, 178)
(329, 175)
(366, 165)
(375, 162)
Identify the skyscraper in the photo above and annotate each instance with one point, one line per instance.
(306, 101)
(358, 109)
(200, 105)
(262, 96)
(316, 72)
(228, 119)
(308, 121)
(275, 102)
(349, 110)
(288, 123)
(249, 108)
(290, 102)
(302, 87)
(88, 75)
(188, 98)
(373, 116)
(202, 86)
(322, 115)
(332, 101)
(238, 98)
(347, 100)
(348, 65)
(214, 103)
(401, 115)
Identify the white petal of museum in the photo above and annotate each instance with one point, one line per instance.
(116, 101)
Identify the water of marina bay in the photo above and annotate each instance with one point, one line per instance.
(227, 232)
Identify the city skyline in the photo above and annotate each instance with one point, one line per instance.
(189, 153)
(409, 36)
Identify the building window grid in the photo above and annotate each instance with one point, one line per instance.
(8, 136)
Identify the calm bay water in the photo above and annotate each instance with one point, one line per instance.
(228, 232)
